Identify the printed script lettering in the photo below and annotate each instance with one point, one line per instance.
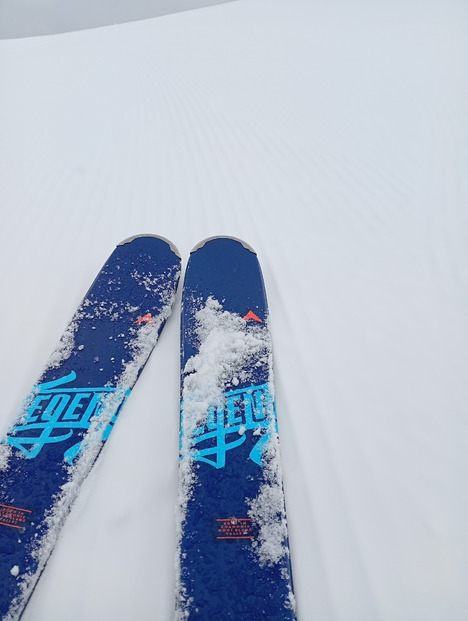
(245, 410)
(57, 412)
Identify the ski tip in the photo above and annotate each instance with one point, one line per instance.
(208, 239)
(164, 239)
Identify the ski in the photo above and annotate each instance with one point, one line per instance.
(54, 441)
(233, 548)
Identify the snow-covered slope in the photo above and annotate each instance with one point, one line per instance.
(331, 136)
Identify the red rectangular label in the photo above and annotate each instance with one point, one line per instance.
(13, 516)
(234, 528)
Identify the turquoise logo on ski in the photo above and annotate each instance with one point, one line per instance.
(56, 412)
(245, 410)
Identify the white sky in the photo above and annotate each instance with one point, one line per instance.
(25, 18)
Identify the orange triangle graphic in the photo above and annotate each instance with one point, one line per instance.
(147, 318)
(252, 315)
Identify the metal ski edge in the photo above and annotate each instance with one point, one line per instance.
(208, 239)
(172, 246)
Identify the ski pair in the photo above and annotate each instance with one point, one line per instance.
(233, 552)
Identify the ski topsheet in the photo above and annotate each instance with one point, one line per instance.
(233, 550)
(53, 443)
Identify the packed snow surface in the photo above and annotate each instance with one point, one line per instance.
(333, 138)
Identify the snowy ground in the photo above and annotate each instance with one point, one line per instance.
(332, 136)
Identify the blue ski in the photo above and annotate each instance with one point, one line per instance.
(233, 556)
(55, 440)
